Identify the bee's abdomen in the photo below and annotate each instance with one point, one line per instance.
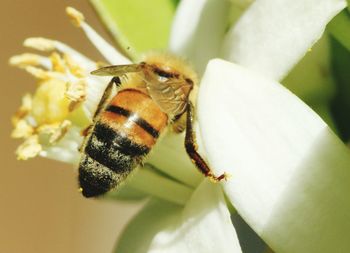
(135, 115)
(119, 140)
(108, 159)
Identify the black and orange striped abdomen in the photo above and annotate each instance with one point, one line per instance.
(124, 133)
(136, 115)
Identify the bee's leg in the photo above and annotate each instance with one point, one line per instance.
(107, 93)
(191, 148)
(86, 131)
(179, 123)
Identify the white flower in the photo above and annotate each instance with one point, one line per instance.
(289, 171)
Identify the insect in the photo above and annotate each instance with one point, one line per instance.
(152, 96)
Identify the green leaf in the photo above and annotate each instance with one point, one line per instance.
(340, 106)
(312, 80)
(137, 25)
(339, 27)
(176, 2)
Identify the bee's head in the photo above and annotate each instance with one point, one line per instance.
(167, 66)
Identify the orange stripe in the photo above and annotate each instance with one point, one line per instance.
(138, 102)
(142, 105)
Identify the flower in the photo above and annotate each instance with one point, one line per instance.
(278, 151)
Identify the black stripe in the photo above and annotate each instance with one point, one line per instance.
(115, 161)
(138, 120)
(116, 141)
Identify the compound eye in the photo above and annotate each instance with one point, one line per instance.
(163, 74)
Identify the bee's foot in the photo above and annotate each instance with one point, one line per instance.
(216, 179)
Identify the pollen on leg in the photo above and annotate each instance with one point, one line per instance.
(225, 176)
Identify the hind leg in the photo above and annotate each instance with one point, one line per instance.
(191, 148)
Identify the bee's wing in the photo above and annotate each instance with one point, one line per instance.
(117, 70)
(172, 95)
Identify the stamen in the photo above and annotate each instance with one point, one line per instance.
(25, 108)
(40, 44)
(45, 75)
(76, 92)
(46, 45)
(58, 63)
(29, 148)
(66, 150)
(73, 66)
(22, 129)
(108, 51)
(60, 132)
(24, 60)
(76, 16)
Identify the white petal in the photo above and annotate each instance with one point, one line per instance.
(198, 30)
(138, 235)
(67, 149)
(290, 173)
(171, 148)
(203, 226)
(272, 36)
(148, 180)
(96, 86)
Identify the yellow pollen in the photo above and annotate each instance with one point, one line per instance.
(57, 62)
(42, 74)
(60, 132)
(41, 44)
(24, 60)
(29, 148)
(76, 93)
(76, 16)
(25, 108)
(73, 67)
(22, 129)
(49, 102)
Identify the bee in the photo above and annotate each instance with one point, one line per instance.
(151, 96)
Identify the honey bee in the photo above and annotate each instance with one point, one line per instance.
(151, 96)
